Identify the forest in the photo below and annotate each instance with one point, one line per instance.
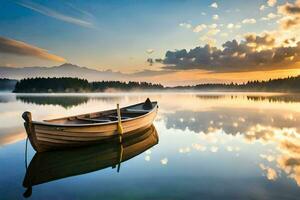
(48, 85)
(7, 84)
(68, 85)
(290, 84)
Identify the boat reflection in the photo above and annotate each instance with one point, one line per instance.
(49, 166)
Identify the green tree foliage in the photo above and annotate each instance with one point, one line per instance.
(104, 85)
(34, 85)
(290, 84)
(47, 85)
(7, 84)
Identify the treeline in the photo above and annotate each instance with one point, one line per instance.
(45, 85)
(290, 84)
(118, 85)
(48, 85)
(7, 84)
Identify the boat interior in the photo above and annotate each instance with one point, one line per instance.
(107, 116)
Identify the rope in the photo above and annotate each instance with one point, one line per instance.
(26, 144)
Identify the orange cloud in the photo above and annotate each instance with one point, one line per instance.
(10, 46)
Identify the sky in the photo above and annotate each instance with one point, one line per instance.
(174, 42)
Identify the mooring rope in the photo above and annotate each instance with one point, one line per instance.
(26, 144)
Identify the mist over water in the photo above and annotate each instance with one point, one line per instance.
(211, 146)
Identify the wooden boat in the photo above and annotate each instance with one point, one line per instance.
(91, 128)
(49, 166)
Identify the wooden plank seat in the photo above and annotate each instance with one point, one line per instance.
(93, 120)
(116, 117)
(136, 111)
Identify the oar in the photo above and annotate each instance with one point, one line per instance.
(119, 128)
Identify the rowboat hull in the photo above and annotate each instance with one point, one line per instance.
(48, 136)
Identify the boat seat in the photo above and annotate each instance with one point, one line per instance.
(93, 120)
(116, 117)
(136, 111)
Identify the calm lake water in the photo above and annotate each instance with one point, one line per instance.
(211, 146)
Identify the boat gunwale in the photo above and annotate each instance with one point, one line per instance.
(45, 123)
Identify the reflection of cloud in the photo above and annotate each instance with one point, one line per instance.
(271, 174)
(287, 141)
(164, 161)
(269, 158)
(271, 126)
(147, 158)
(229, 148)
(148, 152)
(15, 47)
(184, 150)
(230, 121)
(199, 147)
(232, 148)
(214, 149)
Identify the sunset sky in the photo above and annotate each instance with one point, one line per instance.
(174, 42)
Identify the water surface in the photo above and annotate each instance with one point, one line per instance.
(211, 146)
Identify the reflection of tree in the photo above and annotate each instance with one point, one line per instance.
(6, 98)
(278, 98)
(64, 101)
(210, 97)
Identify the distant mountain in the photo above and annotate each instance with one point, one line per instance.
(64, 70)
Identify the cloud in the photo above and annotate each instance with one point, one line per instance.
(258, 41)
(213, 32)
(262, 7)
(15, 47)
(215, 17)
(55, 14)
(224, 34)
(249, 21)
(271, 3)
(213, 26)
(289, 8)
(291, 14)
(199, 28)
(270, 16)
(214, 5)
(237, 26)
(230, 26)
(150, 51)
(254, 53)
(208, 40)
(185, 25)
